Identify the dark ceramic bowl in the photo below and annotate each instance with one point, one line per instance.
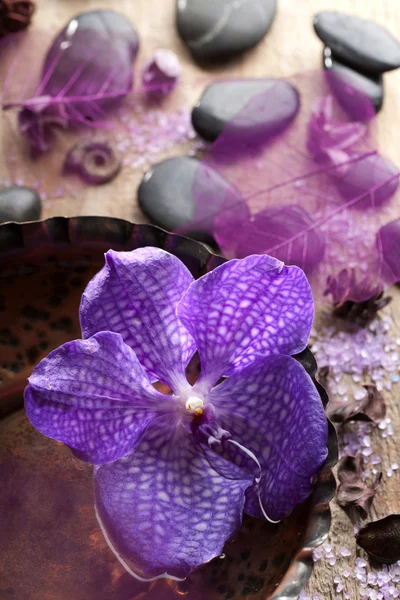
(50, 543)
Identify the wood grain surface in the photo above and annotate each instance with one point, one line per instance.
(290, 47)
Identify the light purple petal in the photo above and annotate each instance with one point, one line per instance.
(164, 509)
(94, 396)
(136, 294)
(245, 309)
(273, 409)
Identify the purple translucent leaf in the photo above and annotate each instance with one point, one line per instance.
(94, 396)
(246, 309)
(352, 99)
(326, 138)
(388, 242)
(136, 294)
(273, 226)
(315, 195)
(371, 173)
(164, 509)
(273, 409)
(87, 70)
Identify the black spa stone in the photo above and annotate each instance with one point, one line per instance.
(347, 83)
(169, 191)
(220, 29)
(19, 204)
(251, 107)
(361, 44)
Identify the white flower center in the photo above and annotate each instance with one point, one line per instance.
(194, 405)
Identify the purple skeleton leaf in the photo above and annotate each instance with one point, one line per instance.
(314, 196)
(328, 139)
(174, 473)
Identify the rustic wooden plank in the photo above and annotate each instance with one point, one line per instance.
(290, 47)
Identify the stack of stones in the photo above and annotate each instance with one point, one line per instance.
(357, 52)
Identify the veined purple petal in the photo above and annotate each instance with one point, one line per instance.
(245, 309)
(136, 294)
(94, 396)
(274, 410)
(164, 509)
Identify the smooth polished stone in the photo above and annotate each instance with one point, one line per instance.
(349, 86)
(220, 29)
(171, 193)
(252, 107)
(359, 43)
(19, 204)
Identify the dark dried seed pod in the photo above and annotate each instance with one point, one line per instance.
(15, 15)
(371, 408)
(381, 539)
(362, 313)
(353, 494)
(94, 161)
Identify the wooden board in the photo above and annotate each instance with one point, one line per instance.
(290, 47)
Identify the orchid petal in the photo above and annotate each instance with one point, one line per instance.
(94, 396)
(136, 294)
(245, 309)
(273, 409)
(163, 509)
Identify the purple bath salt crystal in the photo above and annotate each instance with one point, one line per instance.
(161, 73)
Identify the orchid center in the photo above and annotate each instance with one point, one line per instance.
(194, 405)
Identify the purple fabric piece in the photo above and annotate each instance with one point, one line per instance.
(164, 508)
(273, 409)
(136, 295)
(246, 309)
(94, 396)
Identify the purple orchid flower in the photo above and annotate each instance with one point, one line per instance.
(174, 473)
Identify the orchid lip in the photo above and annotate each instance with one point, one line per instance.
(195, 405)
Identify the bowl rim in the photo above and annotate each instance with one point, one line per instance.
(17, 238)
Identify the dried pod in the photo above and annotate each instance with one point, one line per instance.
(353, 494)
(371, 408)
(323, 377)
(94, 160)
(15, 15)
(361, 313)
(381, 539)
